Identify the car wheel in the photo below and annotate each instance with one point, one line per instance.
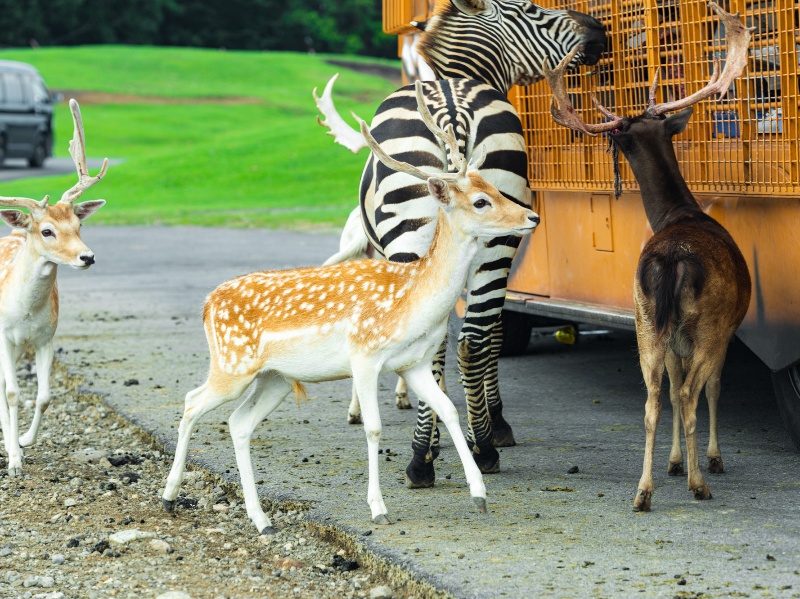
(517, 329)
(39, 154)
(787, 392)
(2, 149)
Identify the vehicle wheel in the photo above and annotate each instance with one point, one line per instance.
(39, 154)
(2, 149)
(787, 392)
(517, 329)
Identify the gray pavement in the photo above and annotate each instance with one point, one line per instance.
(135, 316)
(17, 168)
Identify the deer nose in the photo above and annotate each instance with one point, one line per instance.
(534, 218)
(88, 259)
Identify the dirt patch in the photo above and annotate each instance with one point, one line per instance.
(93, 97)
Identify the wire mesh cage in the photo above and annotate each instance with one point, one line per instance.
(746, 143)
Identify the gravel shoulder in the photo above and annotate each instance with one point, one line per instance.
(85, 521)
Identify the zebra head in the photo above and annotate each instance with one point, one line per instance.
(505, 42)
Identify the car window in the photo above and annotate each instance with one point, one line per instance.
(13, 88)
(38, 91)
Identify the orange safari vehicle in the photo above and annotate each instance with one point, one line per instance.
(739, 156)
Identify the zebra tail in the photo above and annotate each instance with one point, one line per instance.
(354, 243)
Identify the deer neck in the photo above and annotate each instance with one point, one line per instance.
(442, 272)
(665, 194)
(32, 278)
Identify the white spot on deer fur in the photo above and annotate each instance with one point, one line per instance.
(351, 287)
(321, 312)
(340, 307)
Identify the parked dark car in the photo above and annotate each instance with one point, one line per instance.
(26, 114)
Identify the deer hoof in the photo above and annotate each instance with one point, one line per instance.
(381, 519)
(169, 504)
(715, 466)
(642, 501)
(702, 492)
(268, 531)
(401, 401)
(675, 469)
(481, 503)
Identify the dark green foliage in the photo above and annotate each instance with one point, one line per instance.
(331, 26)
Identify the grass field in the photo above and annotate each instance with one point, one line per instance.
(206, 137)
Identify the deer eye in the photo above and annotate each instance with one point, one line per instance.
(481, 203)
(47, 233)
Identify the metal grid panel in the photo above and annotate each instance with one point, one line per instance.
(746, 143)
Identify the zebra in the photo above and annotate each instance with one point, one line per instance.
(478, 49)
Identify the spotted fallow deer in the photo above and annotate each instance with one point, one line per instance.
(362, 318)
(43, 238)
(692, 286)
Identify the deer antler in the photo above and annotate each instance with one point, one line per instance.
(561, 108)
(30, 204)
(77, 149)
(447, 135)
(737, 37)
(342, 133)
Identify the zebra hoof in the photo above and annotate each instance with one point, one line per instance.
(488, 460)
(169, 504)
(354, 419)
(481, 503)
(503, 435)
(420, 475)
(381, 519)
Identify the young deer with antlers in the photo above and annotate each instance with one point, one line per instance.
(361, 319)
(44, 238)
(692, 286)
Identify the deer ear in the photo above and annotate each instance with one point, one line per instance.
(472, 7)
(440, 191)
(676, 123)
(86, 209)
(16, 219)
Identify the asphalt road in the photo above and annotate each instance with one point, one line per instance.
(17, 168)
(132, 326)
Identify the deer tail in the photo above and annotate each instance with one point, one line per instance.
(663, 277)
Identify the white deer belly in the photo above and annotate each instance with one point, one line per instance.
(307, 354)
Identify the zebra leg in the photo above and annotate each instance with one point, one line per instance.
(503, 435)
(420, 473)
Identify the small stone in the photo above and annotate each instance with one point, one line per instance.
(573, 470)
(382, 592)
(31, 581)
(284, 563)
(6, 551)
(70, 502)
(87, 455)
(127, 536)
(57, 558)
(221, 507)
(46, 581)
(160, 546)
(174, 595)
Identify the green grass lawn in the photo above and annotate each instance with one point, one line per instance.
(194, 154)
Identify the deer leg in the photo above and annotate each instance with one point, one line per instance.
(675, 372)
(699, 372)
(503, 435)
(401, 395)
(267, 393)
(365, 379)
(652, 361)
(714, 455)
(425, 386)
(8, 413)
(354, 410)
(214, 392)
(44, 365)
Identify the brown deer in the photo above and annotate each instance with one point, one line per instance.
(692, 286)
(275, 330)
(44, 238)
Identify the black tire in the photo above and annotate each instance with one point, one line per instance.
(39, 154)
(517, 329)
(787, 393)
